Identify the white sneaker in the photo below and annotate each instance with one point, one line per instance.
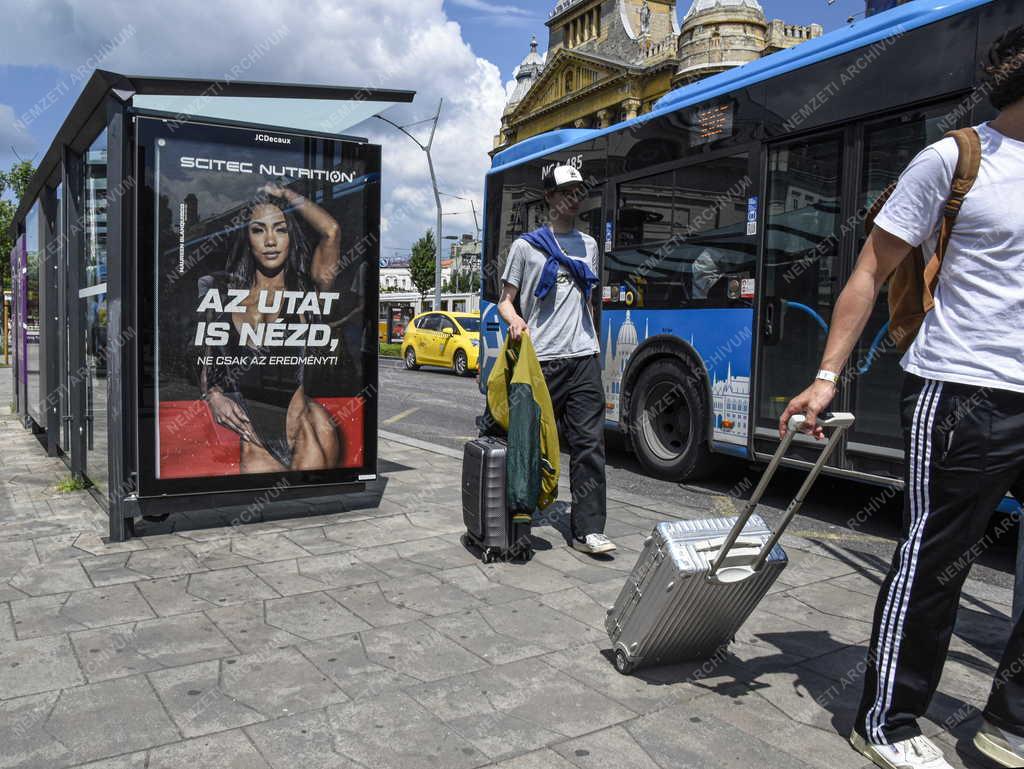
(1003, 747)
(593, 544)
(916, 753)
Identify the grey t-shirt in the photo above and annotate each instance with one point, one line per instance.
(561, 325)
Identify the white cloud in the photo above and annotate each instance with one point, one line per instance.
(332, 42)
(491, 7)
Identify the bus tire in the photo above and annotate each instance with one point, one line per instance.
(668, 422)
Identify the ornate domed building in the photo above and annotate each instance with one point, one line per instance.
(526, 74)
(611, 60)
(720, 34)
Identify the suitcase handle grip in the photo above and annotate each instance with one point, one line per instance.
(841, 421)
(715, 545)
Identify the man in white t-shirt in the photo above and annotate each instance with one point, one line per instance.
(963, 423)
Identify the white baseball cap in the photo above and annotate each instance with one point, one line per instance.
(562, 177)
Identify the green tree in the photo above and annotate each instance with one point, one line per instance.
(421, 263)
(462, 282)
(13, 184)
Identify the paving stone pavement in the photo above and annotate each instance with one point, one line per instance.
(369, 637)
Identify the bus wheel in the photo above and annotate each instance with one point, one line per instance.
(668, 422)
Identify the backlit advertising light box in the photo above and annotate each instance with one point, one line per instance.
(257, 296)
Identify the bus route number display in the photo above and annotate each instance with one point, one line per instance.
(711, 124)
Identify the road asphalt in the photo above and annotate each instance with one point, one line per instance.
(434, 405)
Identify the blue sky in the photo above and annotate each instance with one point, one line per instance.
(462, 50)
(495, 31)
(504, 37)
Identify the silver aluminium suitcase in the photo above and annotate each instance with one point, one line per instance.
(696, 582)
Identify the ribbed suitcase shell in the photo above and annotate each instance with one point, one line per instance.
(488, 524)
(669, 610)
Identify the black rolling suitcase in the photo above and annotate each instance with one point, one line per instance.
(489, 525)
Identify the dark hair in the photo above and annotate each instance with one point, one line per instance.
(1004, 69)
(241, 267)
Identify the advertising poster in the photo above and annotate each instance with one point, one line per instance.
(263, 294)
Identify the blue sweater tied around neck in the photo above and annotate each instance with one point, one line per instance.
(544, 240)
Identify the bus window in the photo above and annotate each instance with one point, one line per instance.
(681, 239)
(644, 212)
(801, 263)
(528, 214)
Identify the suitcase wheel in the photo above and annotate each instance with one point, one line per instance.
(487, 556)
(622, 663)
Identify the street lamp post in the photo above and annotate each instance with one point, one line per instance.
(437, 194)
(472, 205)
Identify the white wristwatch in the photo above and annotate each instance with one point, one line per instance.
(828, 376)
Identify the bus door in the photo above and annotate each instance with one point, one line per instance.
(801, 274)
(874, 376)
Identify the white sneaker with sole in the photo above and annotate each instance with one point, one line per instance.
(593, 544)
(916, 753)
(1003, 747)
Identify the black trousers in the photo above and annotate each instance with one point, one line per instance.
(577, 395)
(964, 451)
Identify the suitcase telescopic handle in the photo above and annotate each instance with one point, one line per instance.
(841, 422)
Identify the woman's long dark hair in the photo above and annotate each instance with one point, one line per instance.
(241, 265)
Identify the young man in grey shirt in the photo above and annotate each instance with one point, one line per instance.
(553, 272)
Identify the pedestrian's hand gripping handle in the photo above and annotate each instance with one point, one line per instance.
(729, 567)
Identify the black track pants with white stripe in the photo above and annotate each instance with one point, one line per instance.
(964, 451)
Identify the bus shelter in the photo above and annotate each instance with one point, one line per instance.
(194, 293)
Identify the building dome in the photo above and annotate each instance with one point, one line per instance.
(627, 334)
(699, 6)
(526, 74)
(718, 35)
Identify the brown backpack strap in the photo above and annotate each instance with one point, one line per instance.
(968, 165)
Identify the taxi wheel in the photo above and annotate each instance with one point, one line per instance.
(410, 359)
(460, 364)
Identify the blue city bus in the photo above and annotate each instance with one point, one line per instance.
(728, 218)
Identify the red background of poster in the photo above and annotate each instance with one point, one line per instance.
(193, 445)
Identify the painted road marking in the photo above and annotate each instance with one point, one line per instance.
(400, 416)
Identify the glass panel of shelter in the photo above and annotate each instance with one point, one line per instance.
(92, 308)
(31, 323)
(60, 252)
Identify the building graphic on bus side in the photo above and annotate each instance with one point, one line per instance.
(730, 392)
(616, 360)
(730, 399)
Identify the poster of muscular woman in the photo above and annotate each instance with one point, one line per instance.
(262, 299)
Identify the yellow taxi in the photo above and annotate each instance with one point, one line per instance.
(448, 339)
